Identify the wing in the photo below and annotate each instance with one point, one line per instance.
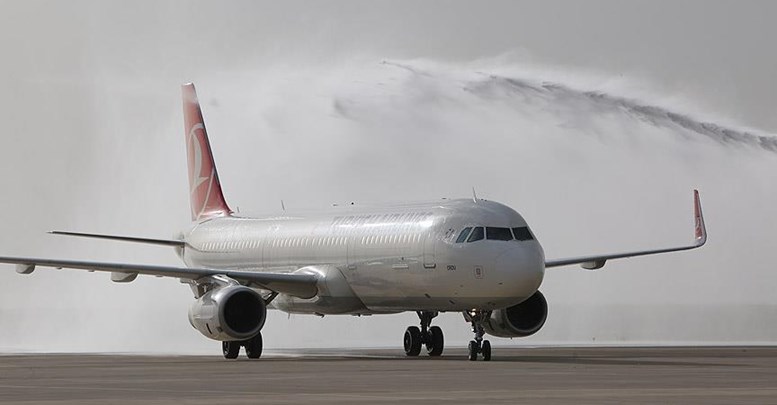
(298, 285)
(598, 261)
(163, 242)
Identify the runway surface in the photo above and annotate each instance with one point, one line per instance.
(679, 375)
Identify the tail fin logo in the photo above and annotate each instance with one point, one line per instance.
(198, 197)
(205, 194)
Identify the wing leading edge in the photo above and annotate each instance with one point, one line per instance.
(598, 261)
(299, 285)
(163, 242)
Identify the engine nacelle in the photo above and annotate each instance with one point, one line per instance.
(229, 313)
(519, 320)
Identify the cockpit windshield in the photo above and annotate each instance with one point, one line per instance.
(463, 235)
(523, 233)
(493, 233)
(477, 234)
(473, 234)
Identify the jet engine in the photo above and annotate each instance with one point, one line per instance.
(519, 320)
(228, 313)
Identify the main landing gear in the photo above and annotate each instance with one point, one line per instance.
(253, 347)
(432, 337)
(478, 346)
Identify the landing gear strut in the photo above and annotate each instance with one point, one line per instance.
(478, 346)
(253, 346)
(432, 336)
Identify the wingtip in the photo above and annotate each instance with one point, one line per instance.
(700, 229)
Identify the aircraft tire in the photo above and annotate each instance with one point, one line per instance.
(486, 350)
(436, 341)
(254, 347)
(230, 349)
(412, 341)
(473, 350)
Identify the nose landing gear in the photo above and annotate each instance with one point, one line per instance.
(478, 346)
(432, 336)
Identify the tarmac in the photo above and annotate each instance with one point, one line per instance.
(563, 375)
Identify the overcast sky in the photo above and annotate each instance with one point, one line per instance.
(720, 52)
(92, 141)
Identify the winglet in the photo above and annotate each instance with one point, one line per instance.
(205, 196)
(701, 229)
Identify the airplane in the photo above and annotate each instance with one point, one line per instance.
(473, 256)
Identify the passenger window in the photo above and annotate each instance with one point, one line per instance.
(463, 235)
(493, 233)
(523, 233)
(477, 234)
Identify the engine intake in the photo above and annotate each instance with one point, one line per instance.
(519, 320)
(229, 313)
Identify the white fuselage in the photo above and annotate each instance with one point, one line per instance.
(380, 259)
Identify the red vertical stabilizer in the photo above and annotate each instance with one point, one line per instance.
(205, 193)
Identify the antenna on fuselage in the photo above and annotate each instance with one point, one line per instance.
(474, 195)
(283, 207)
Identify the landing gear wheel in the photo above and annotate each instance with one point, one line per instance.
(436, 342)
(230, 349)
(486, 350)
(478, 346)
(412, 341)
(473, 350)
(254, 347)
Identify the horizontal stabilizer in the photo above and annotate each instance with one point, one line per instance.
(163, 242)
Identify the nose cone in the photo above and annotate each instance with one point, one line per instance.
(523, 266)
